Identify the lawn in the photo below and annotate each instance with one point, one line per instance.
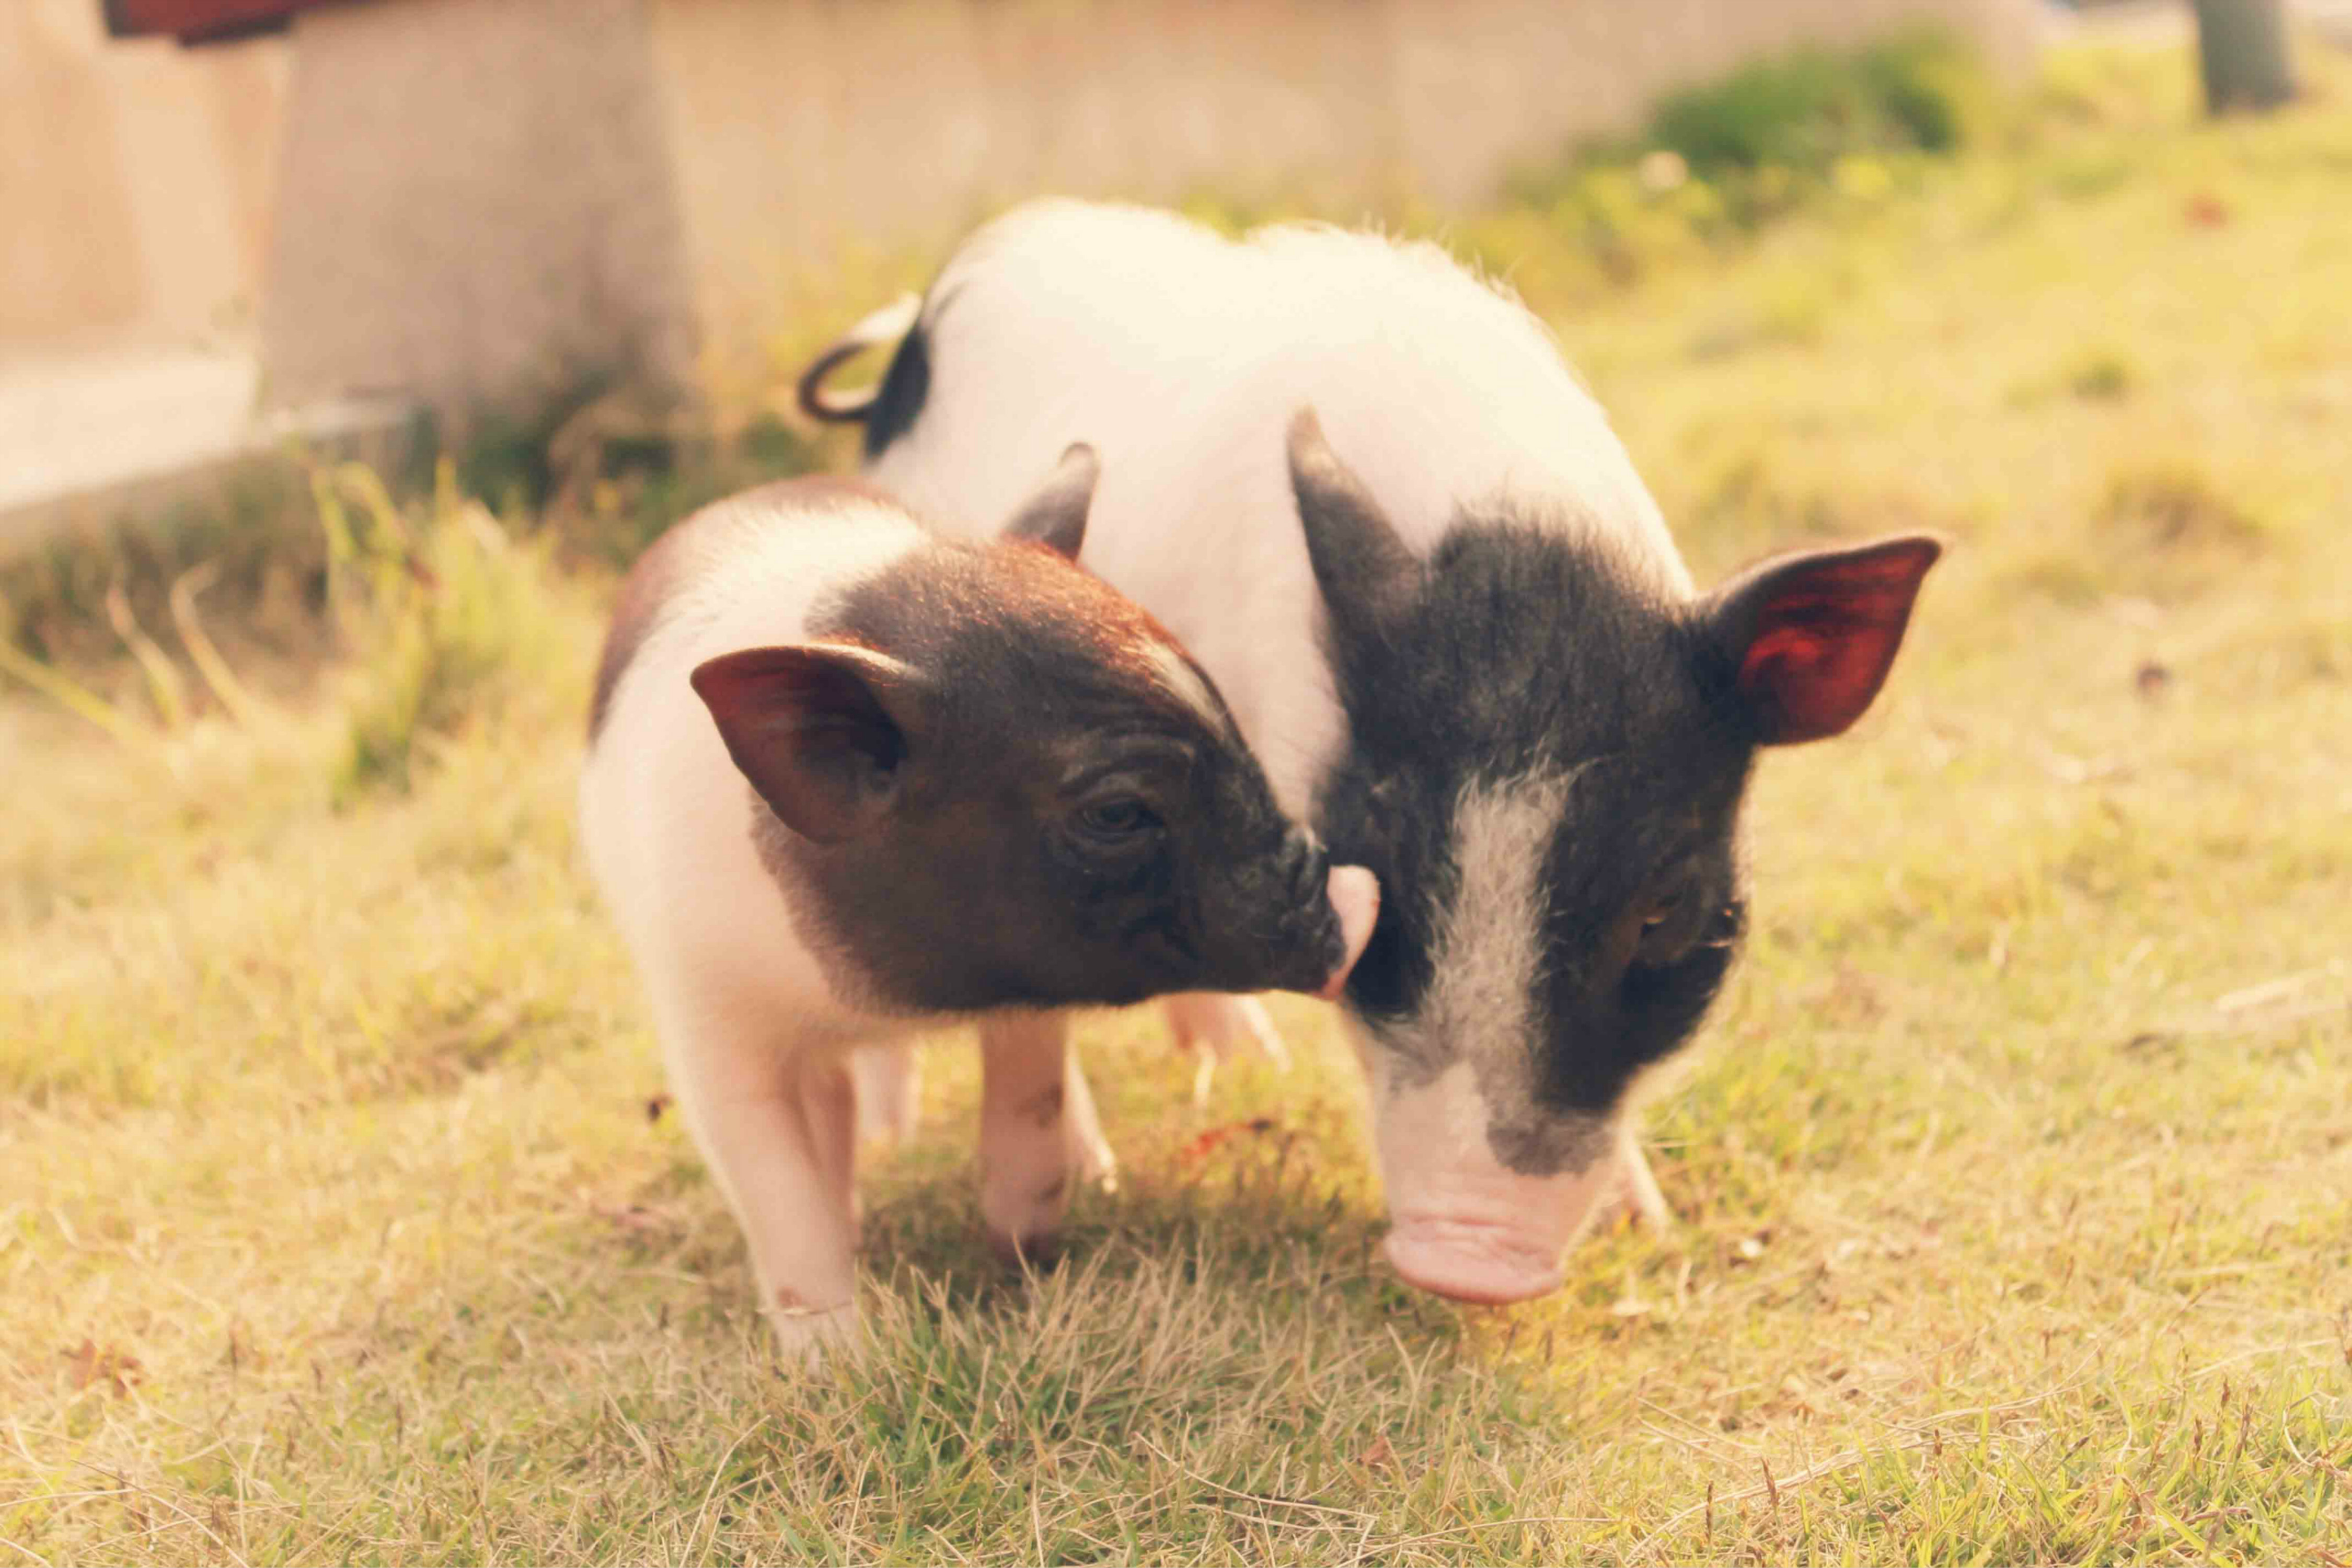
(340, 1219)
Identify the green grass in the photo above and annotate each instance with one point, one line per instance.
(2015, 1174)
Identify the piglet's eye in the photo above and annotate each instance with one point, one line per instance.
(1123, 817)
(1665, 927)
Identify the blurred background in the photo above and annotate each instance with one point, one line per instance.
(231, 218)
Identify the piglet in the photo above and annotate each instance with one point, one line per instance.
(847, 781)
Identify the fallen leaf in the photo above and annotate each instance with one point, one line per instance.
(1380, 1456)
(1198, 1149)
(240, 1353)
(115, 1366)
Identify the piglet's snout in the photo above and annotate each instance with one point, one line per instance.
(1465, 1225)
(1355, 895)
(1490, 1264)
(1491, 1239)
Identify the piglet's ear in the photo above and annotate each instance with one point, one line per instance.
(1368, 576)
(821, 730)
(1813, 635)
(1055, 516)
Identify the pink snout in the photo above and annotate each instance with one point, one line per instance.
(1465, 1225)
(1356, 899)
(1488, 1264)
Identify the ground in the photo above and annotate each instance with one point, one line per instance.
(340, 1220)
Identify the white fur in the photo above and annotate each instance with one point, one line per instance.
(1480, 1004)
(888, 323)
(1182, 358)
(1185, 684)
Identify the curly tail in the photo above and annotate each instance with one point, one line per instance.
(886, 325)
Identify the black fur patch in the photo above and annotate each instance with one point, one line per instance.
(1529, 649)
(905, 385)
(978, 893)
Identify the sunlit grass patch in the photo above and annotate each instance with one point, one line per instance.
(458, 621)
(1916, 91)
(2102, 371)
(2174, 506)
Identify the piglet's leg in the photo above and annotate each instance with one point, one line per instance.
(889, 1092)
(1638, 1193)
(779, 1136)
(1096, 1161)
(828, 1091)
(1037, 1128)
(1217, 1026)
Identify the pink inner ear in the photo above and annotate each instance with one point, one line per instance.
(805, 727)
(1826, 638)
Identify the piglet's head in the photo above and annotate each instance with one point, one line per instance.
(989, 780)
(1548, 750)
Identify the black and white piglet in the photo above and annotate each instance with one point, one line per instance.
(1366, 491)
(846, 779)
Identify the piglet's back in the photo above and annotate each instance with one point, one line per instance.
(754, 563)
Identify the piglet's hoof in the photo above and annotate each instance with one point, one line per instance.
(806, 1332)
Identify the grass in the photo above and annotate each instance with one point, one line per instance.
(339, 1220)
(1806, 109)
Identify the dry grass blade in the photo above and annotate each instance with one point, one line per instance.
(246, 709)
(1263, 1499)
(78, 699)
(366, 487)
(163, 680)
(1400, 1543)
(710, 1489)
(29, 1554)
(2247, 999)
(128, 1485)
